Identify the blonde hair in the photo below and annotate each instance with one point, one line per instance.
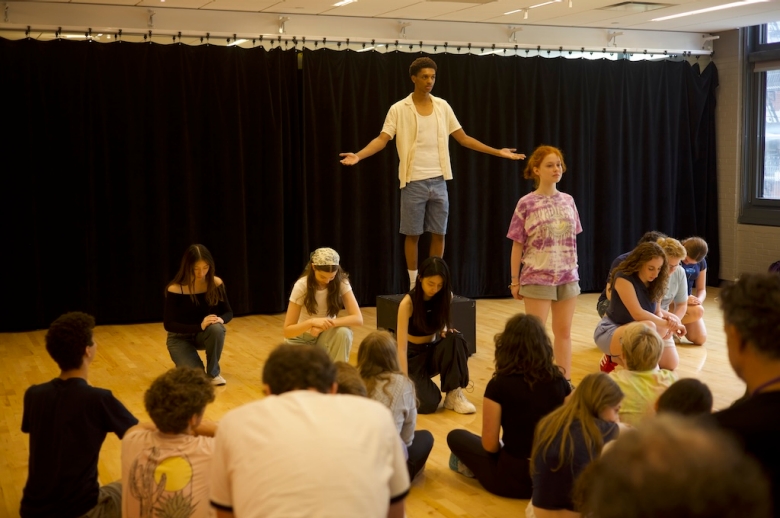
(642, 347)
(596, 393)
(672, 248)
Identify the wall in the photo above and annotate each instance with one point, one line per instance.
(744, 248)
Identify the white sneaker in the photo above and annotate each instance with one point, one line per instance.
(218, 380)
(457, 402)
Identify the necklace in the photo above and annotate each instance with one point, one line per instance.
(765, 385)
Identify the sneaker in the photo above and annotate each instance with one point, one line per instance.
(457, 465)
(218, 380)
(606, 364)
(457, 402)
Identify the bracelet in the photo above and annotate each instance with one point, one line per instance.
(513, 285)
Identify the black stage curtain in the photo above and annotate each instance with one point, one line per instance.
(118, 156)
(638, 140)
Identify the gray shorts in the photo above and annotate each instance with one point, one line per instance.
(603, 334)
(425, 207)
(554, 293)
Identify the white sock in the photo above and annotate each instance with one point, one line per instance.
(412, 278)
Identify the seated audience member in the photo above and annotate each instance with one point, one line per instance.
(688, 397)
(695, 266)
(166, 466)
(378, 366)
(349, 380)
(603, 303)
(641, 381)
(526, 386)
(302, 452)
(751, 317)
(673, 467)
(315, 302)
(639, 284)
(567, 440)
(68, 420)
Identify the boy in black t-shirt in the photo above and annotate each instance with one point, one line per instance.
(68, 420)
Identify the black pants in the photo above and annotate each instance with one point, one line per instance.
(447, 357)
(418, 452)
(500, 473)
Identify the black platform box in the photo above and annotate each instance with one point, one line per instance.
(462, 310)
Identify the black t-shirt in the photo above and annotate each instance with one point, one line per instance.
(553, 489)
(755, 422)
(522, 408)
(67, 421)
(617, 311)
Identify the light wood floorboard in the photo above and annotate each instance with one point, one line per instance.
(131, 356)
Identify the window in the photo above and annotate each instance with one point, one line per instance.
(761, 150)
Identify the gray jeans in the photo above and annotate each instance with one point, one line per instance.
(184, 347)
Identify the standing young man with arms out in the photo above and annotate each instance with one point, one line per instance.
(422, 124)
(68, 420)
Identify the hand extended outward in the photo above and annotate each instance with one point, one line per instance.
(510, 154)
(349, 158)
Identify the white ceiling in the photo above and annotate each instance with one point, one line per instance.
(584, 24)
(584, 13)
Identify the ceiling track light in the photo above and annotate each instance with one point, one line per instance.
(525, 14)
(402, 29)
(282, 21)
(612, 37)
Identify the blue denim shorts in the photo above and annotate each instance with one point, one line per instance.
(603, 334)
(425, 207)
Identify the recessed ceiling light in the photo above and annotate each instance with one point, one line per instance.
(343, 3)
(709, 9)
(634, 7)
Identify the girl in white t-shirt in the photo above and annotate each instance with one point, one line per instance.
(315, 302)
(386, 383)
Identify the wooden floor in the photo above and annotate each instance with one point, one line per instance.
(130, 357)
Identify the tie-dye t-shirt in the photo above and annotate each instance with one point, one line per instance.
(547, 227)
